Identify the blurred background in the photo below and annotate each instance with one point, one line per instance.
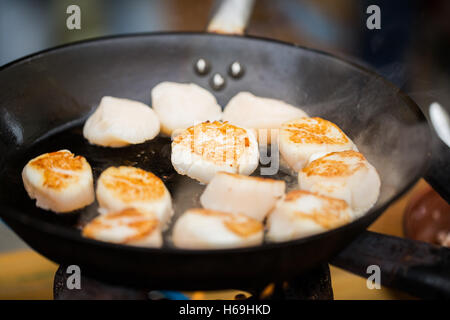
(412, 49)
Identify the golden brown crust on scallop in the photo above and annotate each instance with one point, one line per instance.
(314, 131)
(132, 184)
(143, 229)
(59, 168)
(329, 216)
(327, 167)
(239, 224)
(140, 223)
(244, 228)
(202, 139)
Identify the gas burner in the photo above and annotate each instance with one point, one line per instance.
(312, 285)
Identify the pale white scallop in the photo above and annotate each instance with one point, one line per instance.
(202, 150)
(120, 122)
(305, 139)
(59, 181)
(180, 105)
(261, 114)
(345, 175)
(124, 187)
(129, 226)
(303, 214)
(208, 229)
(254, 197)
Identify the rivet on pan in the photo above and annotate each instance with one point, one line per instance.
(202, 67)
(236, 70)
(217, 82)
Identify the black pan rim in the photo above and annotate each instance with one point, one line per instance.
(367, 219)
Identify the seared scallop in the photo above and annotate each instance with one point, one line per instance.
(59, 181)
(303, 213)
(206, 148)
(254, 197)
(124, 187)
(121, 122)
(305, 139)
(258, 113)
(345, 175)
(208, 229)
(180, 105)
(129, 226)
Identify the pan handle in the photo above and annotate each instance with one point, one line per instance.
(231, 17)
(438, 173)
(414, 267)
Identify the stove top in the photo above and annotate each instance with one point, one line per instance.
(313, 285)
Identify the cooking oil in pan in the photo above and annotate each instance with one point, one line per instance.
(153, 156)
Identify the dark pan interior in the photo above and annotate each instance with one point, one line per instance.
(45, 98)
